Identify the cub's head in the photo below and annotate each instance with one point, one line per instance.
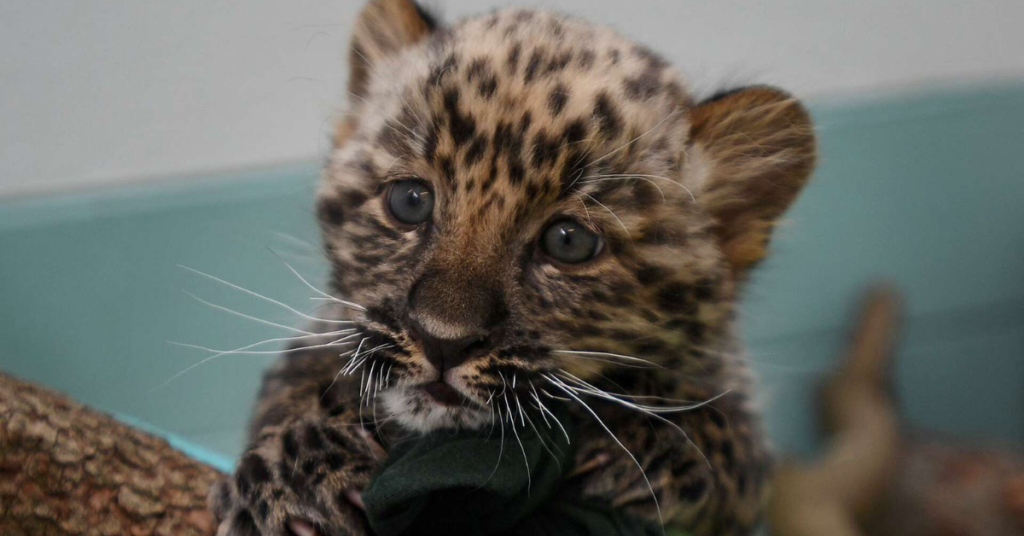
(524, 198)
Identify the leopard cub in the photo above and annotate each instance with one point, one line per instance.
(523, 209)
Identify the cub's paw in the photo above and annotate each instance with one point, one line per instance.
(305, 481)
(287, 516)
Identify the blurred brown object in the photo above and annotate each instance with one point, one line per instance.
(68, 470)
(872, 480)
(945, 490)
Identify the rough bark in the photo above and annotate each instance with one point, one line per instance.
(68, 470)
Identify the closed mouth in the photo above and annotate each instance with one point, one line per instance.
(444, 394)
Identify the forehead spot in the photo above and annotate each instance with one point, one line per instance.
(512, 62)
(559, 62)
(488, 86)
(645, 85)
(557, 99)
(586, 59)
(575, 161)
(461, 126)
(545, 149)
(533, 65)
(476, 150)
(606, 115)
(477, 68)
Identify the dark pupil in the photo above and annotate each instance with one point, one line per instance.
(569, 242)
(566, 236)
(413, 200)
(410, 202)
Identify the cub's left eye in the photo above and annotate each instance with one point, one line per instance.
(410, 201)
(569, 242)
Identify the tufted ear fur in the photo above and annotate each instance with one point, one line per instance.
(753, 150)
(383, 28)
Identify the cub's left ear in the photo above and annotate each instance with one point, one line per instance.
(751, 150)
(382, 29)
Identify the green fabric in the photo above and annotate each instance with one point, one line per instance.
(468, 484)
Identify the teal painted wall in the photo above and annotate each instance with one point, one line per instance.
(925, 190)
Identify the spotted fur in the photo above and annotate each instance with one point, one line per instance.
(517, 118)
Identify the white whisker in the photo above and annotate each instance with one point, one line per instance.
(653, 409)
(336, 376)
(614, 176)
(371, 382)
(490, 406)
(544, 443)
(568, 391)
(537, 398)
(585, 209)
(544, 409)
(241, 351)
(368, 355)
(609, 355)
(634, 140)
(529, 481)
(248, 317)
(613, 362)
(603, 178)
(362, 381)
(262, 297)
(362, 378)
(623, 225)
(355, 355)
(220, 353)
(314, 289)
(526, 460)
(501, 447)
(297, 241)
(556, 397)
(376, 391)
(255, 344)
(625, 403)
(522, 414)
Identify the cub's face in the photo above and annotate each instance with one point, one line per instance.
(523, 196)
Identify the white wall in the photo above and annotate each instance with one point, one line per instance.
(106, 90)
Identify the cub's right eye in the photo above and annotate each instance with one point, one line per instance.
(410, 201)
(569, 242)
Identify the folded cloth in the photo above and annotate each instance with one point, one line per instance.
(509, 482)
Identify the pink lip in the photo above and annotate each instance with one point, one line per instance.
(443, 393)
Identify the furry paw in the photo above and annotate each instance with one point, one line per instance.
(305, 481)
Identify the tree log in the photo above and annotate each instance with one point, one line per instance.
(69, 470)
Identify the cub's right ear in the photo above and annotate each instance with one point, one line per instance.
(383, 28)
(754, 150)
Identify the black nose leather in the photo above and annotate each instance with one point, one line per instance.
(446, 354)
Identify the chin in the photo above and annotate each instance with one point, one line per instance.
(417, 411)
